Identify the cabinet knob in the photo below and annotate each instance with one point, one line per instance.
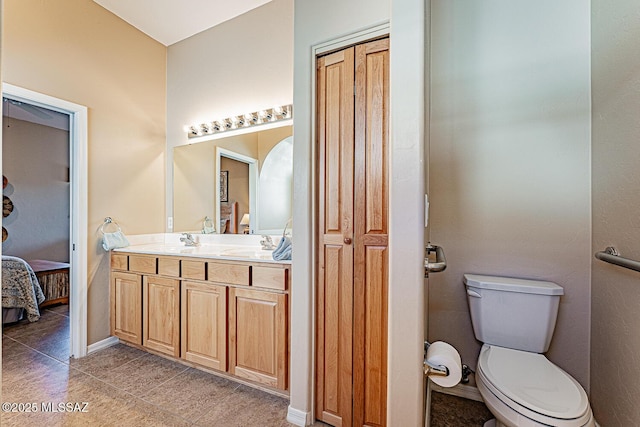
(347, 240)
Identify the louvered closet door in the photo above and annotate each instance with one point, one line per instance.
(351, 374)
(334, 389)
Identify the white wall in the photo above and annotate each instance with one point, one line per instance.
(242, 65)
(36, 163)
(615, 341)
(510, 160)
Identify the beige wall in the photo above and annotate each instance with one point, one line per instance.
(615, 336)
(242, 65)
(77, 51)
(36, 163)
(509, 167)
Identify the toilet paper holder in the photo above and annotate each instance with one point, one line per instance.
(439, 370)
(440, 263)
(431, 369)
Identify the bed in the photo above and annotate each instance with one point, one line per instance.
(53, 277)
(21, 292)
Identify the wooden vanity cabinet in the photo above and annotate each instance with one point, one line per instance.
(225, 315)
(258, 336)
(126, 306)
(204, 324)
(161, 314)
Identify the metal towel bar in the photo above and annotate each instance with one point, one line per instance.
(611, 255)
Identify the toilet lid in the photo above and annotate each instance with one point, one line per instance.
(533, 382)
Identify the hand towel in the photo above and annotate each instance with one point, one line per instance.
(114, 240)
(284, 255)
(283, 250)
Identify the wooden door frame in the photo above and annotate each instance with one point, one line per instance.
(78, 165)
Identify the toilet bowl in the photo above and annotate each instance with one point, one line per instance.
(525, 389)
(515, 319)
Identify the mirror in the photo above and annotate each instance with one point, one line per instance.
(256, 180)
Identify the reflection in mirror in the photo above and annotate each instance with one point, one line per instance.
(275, 188)
(196, 182)
(236, 192)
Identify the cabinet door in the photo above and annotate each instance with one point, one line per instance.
(126, 306)
(161, 314)
(204, 324)
(258, 336)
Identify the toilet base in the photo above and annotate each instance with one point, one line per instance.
(493, 423)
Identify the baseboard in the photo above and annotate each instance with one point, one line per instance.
(100, 345)
(297, 417)
(460, 390)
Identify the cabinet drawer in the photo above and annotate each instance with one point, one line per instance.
(169, 267)
(233, 274)
(119, 262)
(143, 264)
(193, 270)
(270, 277)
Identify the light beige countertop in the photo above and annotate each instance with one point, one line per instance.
(233, 248)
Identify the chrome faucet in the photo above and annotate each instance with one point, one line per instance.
(267, 243)
(188, 240)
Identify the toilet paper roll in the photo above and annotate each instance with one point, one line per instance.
(442, 353)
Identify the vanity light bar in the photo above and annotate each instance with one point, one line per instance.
(270, 115)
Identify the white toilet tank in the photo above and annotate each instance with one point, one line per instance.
(514, 313)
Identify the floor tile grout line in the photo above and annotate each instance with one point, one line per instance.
(226, 397)
(36, 350)
(125, 363)
(113, 386)
(56, 313)
(144, 396)
(186, 368)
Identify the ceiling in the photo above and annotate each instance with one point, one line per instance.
(169, 21)
(12, 109)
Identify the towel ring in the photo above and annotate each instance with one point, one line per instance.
(284, 232)
(108, 221)
(207, 226)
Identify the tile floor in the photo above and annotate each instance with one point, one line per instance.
(123, 386)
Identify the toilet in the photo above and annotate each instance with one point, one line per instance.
(515, 319)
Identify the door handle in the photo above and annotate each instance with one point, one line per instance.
(439, 265)
(347, 240)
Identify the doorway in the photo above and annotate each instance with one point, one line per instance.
(77, 206)
(221, 190)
